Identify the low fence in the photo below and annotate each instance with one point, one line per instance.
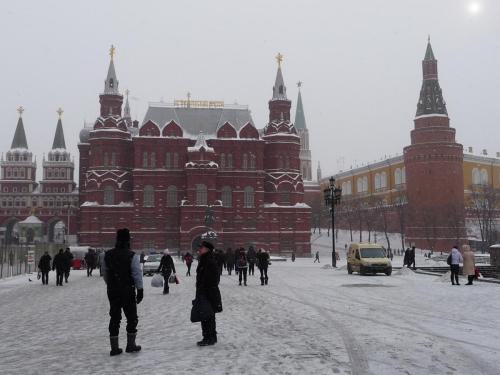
(14, 259)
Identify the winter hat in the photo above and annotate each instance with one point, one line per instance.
(208, 245)
(122, 237)
(166, 252)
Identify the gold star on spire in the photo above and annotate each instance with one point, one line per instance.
(112, 51)
(279, 59)
(299, 84)
(60, 112)
(20, 110)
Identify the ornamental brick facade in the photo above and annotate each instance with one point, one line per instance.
(193, 170)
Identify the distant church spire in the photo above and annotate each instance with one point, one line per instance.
(19, 140)
(318, 172)
(59, 142)
(431, 96)
(126, 110)
(111, 83)
(279, 89)
(300, 119)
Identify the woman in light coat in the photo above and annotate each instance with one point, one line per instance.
(469, 263)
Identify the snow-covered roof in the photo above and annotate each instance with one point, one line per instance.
(194, 120)
(32, 219)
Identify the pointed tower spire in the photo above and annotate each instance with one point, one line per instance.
(126, 110)
(19, 140)
(431, 96)
(59, 142)
(279, 88)
(111, 83)
(318, 172)
(300, 119)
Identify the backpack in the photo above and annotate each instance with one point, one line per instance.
(448, 260)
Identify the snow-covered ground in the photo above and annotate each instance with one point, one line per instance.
(310, 319)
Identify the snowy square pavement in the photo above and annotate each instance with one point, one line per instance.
(308, 320)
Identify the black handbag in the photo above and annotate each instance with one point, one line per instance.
(201, 310)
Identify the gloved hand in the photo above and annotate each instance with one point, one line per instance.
(140, 295)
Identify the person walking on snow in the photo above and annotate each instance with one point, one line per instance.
(263, 264)
(69, 261)
(90, 261)
(44, 267)
(166, 268)
(469, 268)
(316, 259)
(123, 275)
(59, 265)
(207, 286)
(412, 258)
(188, 258)
(242, 265)
(229, 261)
(455, 260)
(251, 258)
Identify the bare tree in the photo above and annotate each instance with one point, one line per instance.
(383, 211)
(483, 202)
(400, 208)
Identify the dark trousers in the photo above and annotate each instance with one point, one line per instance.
(208, 328)
(221, 267)
(119, 300)
(230, 268)
(188, 273)
(89, 271)
(166, 276)
(316, 260)
(243, 275)
(45, 277)
(470, 278)
(59, 277)
(455, 268)
(251, 268)
(263, 275)
(66, 275)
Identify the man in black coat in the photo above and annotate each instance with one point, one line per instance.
(166, 268)
(207, 286)
(44, 266)
(123, 275)
(251, 258)
(90, 261)
(263, 263)
(59, 264)
(69, 261)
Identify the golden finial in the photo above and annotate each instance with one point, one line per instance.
(20, 110)
(60, 112)
(299, 84)
(112, 51)
(279, 59)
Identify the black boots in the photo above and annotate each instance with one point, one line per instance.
(115, 350)
(207, 341)
(131, 346)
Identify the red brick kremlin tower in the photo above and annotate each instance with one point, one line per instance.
(434, 169)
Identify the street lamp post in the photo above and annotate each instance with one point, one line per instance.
(332, 197)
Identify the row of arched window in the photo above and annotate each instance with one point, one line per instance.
(171, 160)
(17, 157)
(56, 173)
(109, 159)
(14, 172)
(248, 161)
(379, 181)
(479, 176)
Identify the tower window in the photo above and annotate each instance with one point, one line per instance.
(249, 197)
(201, 195)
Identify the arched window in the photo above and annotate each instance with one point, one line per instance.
(176, 160)
(113, 158)
(360, 184)
(397, 177)
(365, 184)
(144, 159)
(476, 177)
(245, 162)
(109, 195)
(403, 175)
(249, 197)
(383, 180)
(201, 195)
(227, 196)
(106, 160)
(168, 162)
(253, 160)
(484, 177)
(377, 181)
(153, 160)
(349, 187)
(172, 196)
(149, 196)
(285, 196)
(222, 161)
(230, 161)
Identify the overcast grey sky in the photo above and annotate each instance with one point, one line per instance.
(360, 63)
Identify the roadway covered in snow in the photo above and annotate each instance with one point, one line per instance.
(310, 319)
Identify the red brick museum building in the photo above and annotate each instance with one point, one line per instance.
(193, 170)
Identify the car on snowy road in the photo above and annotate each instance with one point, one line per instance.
(368, 258)
(151, 264)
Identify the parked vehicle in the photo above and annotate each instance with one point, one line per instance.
(78, 252)
(151, 264)
(368, 258)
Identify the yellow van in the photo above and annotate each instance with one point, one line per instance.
(364, 257)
